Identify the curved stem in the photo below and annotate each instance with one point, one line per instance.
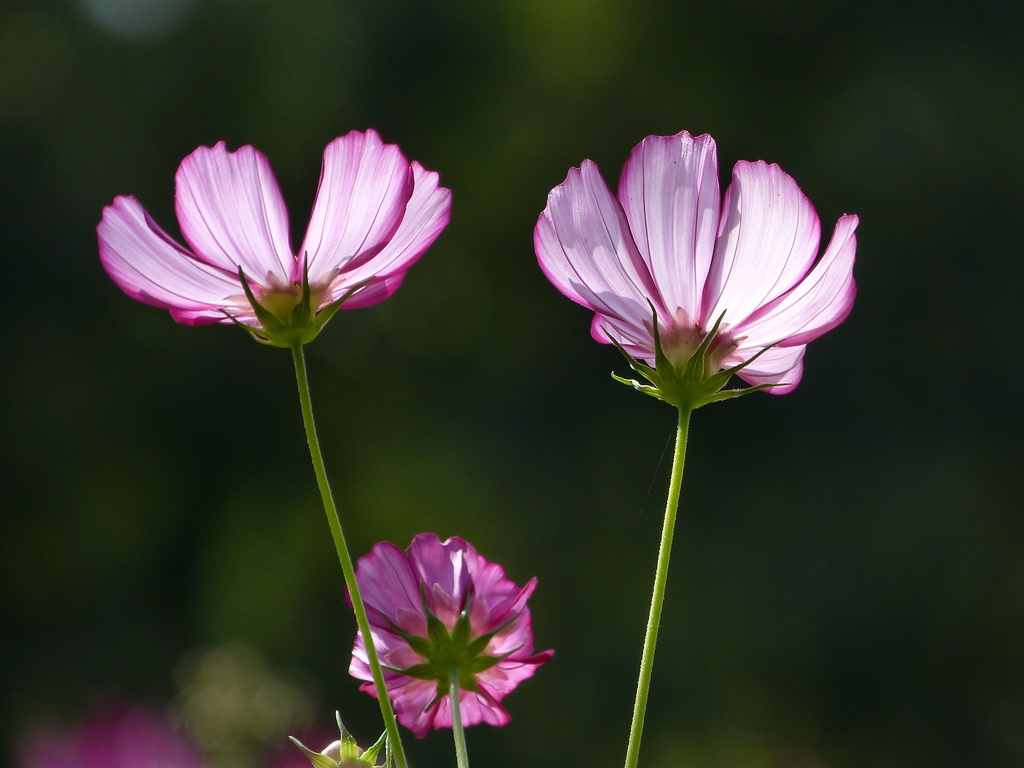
(657, 598)
(461, 756)
(390, 724)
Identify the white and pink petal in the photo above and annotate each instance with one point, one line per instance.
(231, 212)
(780, 366)
(767, 241)
(820, 302)
(670, 195)
(149, 266)
(585, 248)
(426, 215)
(365, 187)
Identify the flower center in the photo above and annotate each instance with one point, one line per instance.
(680, 340)
(280, 298)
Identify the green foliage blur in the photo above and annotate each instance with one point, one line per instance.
(847, 585)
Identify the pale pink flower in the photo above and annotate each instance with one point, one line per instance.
(375, 214)
(437, 604)
(112, 738)
(668, 240)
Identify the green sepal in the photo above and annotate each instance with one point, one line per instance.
(303, 323)
(644, 388)
(274, 329)
(461, 631)
(349, 753)
(325, 314)
(437, 632)
(348, 750)
(318, 760)
(419, 644)
(444, 651)
(481, 663)
(692, 383)
(370, 755)
(477, 646)
(422, 671)
(729, 394)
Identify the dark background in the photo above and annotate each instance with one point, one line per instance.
(848, 577)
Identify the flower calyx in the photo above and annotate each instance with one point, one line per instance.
(345, 753)
(691, 383)
(447, 652)
(288, 318)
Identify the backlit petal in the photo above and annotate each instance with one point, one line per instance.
(474, 708)
(669, 192)
(426, 214)
(584, 247)
(412, 705)
(149, 266)
(767, 241)
(441, 563)
(501, 679)
(365, 186)
(636, 340)
(387, 582)
(779, 365)
(372, 293)
(232, 214)
(819, 303)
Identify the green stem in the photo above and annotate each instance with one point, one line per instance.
(643, 685)
(390, 724)
(461, 756)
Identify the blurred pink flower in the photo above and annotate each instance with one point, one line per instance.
(112, 738)
(375, 214)
(668, 239)
(435, 605)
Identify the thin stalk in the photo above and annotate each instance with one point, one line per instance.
(643, 684)
(390, 724)
(461, 756)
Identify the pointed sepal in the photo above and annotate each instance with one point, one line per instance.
(289, 319)
(445, 650)
(318, 759)
(345, 753)
(693, 382)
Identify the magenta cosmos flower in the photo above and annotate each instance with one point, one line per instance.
(112, 738)
(434, 606)
(375, 214)
(667, 240)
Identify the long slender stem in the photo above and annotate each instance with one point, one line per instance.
(461, 756)
(390, 724)
(643, 685)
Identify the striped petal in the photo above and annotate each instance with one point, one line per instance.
(365, 186)
(585, 249)
(149, 266)
(818, 304)
(427, 213)
(767, 241)
(783, 366)
(669, 192)
(232, 214)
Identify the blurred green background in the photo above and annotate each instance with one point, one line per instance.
(848, 577)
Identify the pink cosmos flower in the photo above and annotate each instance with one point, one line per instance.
(668, 240)
(112, 738)
(374, 216)
(436, 605)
